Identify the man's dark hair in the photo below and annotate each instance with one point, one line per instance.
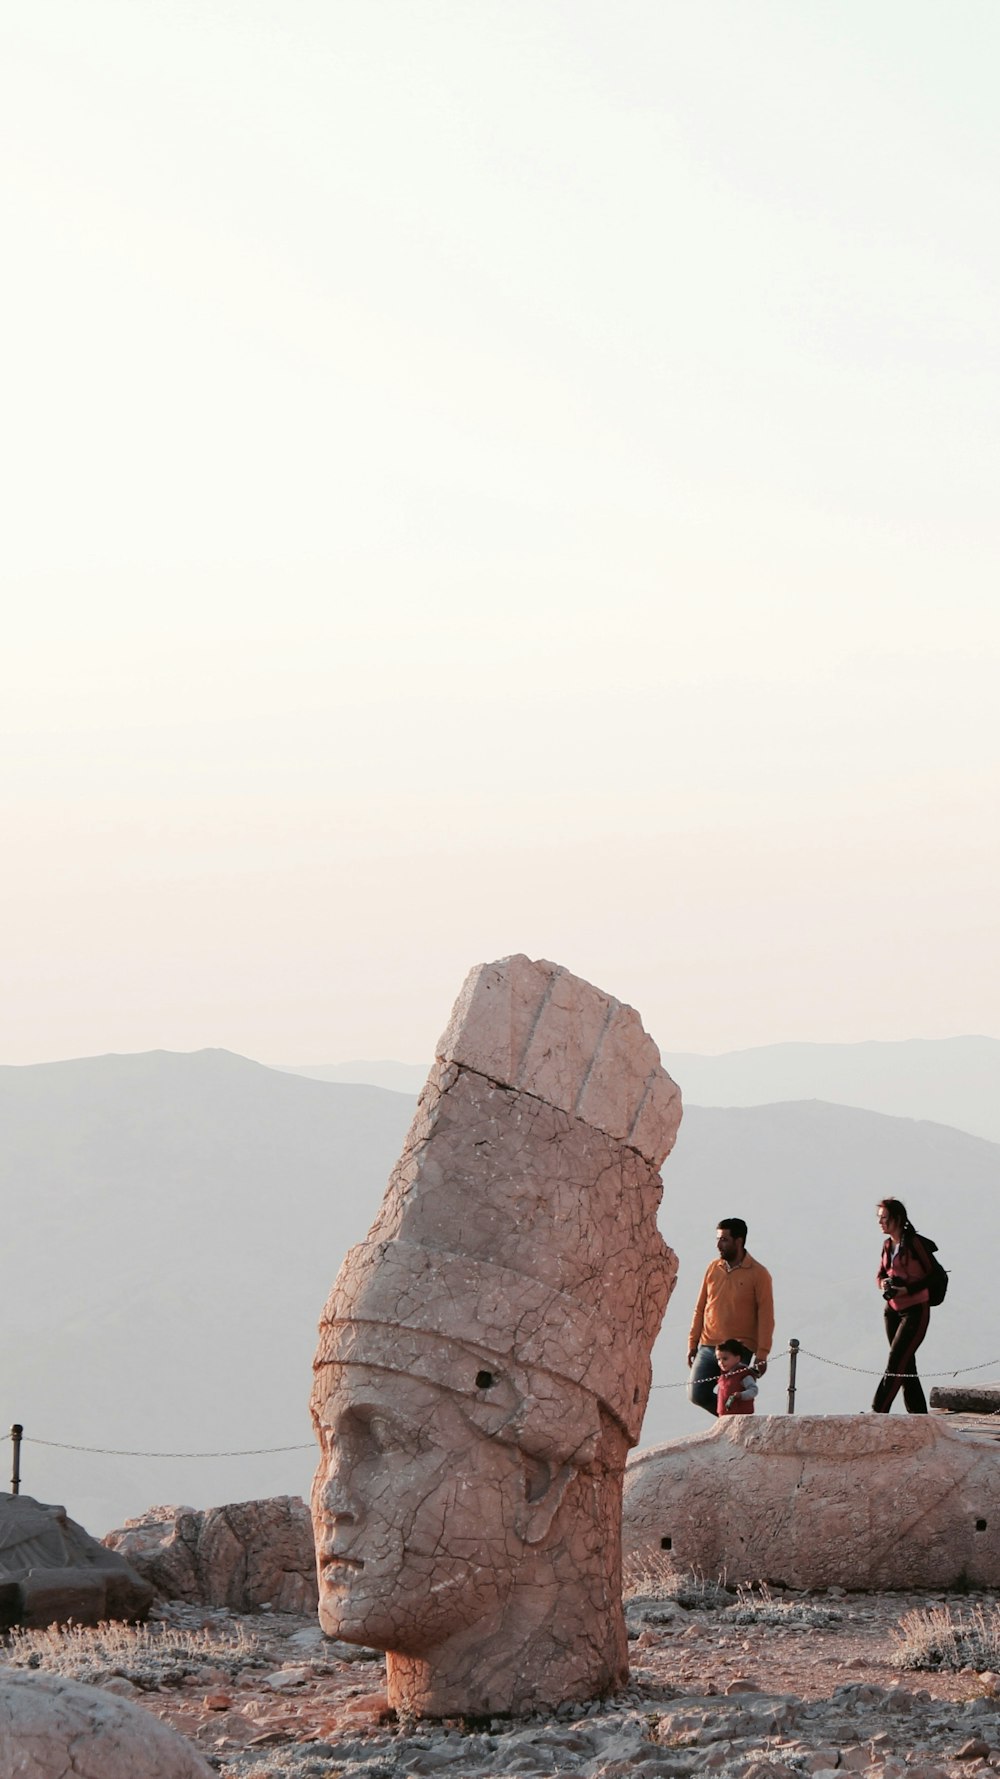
(735, 1226)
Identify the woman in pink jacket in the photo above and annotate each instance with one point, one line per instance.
(902, 1279)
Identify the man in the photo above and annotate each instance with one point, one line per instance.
(735, 1303)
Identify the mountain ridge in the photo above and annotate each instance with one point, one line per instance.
(175, 1221)
(953, 1081)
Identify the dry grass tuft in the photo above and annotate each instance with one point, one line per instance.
(647, 1575)
(758, 1607)
(148, 1655)
(936, 1638)
(654, 1577)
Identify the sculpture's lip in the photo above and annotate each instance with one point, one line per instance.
(336, 1559)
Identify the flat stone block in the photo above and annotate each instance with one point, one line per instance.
(809, 1501)
(54, 1596)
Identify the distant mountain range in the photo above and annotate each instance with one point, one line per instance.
(951, 1080)
(398, 1077)
(174, 1222)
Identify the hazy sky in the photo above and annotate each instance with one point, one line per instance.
(498, 476)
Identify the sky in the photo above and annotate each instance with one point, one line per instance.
(512, 476)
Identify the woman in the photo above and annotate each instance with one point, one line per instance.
(902, 1280)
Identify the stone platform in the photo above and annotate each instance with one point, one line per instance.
(855, 1501)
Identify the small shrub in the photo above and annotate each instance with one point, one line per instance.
(148, 1655)
(647, 1575)
(699, 1593)
(652, 1576)
(936, 1638)
(759, 1608)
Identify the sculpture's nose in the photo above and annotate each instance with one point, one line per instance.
(333, 1495)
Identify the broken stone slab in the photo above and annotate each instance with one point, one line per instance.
(10, 1604)
(484, 1356)
(246, 1555)
(818, 1501)
(52, 1570)
(50, 1725)
(55, 1596)
(981, 1399)
(535, 1027)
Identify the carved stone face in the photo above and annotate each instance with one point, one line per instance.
(418, 1517)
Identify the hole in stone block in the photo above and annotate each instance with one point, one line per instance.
(980, 1525)
(484, 1380)
(666, 1544)
(635, 1397)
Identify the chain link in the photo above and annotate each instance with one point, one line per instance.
(861, 1370)
(864, 1371)
(259, 1451)
(104, 1451)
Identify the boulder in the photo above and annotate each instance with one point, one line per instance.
(809, 1501)
(53, 1726)
(51, 1570)
(246, 1555)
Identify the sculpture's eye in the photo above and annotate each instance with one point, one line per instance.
(375, 1435)
(358, 1436)
(485, 1380)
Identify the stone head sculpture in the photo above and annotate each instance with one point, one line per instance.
(484, 1356)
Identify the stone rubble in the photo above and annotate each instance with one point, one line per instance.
(708, 1694)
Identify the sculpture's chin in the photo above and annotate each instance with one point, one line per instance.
(380, 1624)
(339, 1620)
(356, 1619)
(346, 1631)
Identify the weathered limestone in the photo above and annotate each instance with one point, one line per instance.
(246, 1555)
(50, 1727)
(483, 1362)
(51, 1570)
(966, 1399)
(808, 1501)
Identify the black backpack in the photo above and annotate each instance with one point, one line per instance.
(937, 1279)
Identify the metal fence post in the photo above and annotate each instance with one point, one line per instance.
(15, 1481)
(793, 1355)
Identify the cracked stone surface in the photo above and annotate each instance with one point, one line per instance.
(484, 1356)
(53, 1728)
(855, 1501)
(243, 1555)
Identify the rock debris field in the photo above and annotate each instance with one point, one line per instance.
(756, 1685)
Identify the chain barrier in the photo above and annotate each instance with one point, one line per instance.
(259, 1451)
(842, 1365)
(105, 1451)
(864, 1371)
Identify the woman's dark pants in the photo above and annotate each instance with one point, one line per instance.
(905, 1329)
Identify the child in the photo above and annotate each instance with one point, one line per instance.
(737, 1386)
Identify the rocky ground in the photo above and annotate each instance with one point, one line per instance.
(753, 1687)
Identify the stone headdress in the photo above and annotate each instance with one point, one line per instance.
(516, 1259)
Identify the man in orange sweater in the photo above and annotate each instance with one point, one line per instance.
(735, 1302)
